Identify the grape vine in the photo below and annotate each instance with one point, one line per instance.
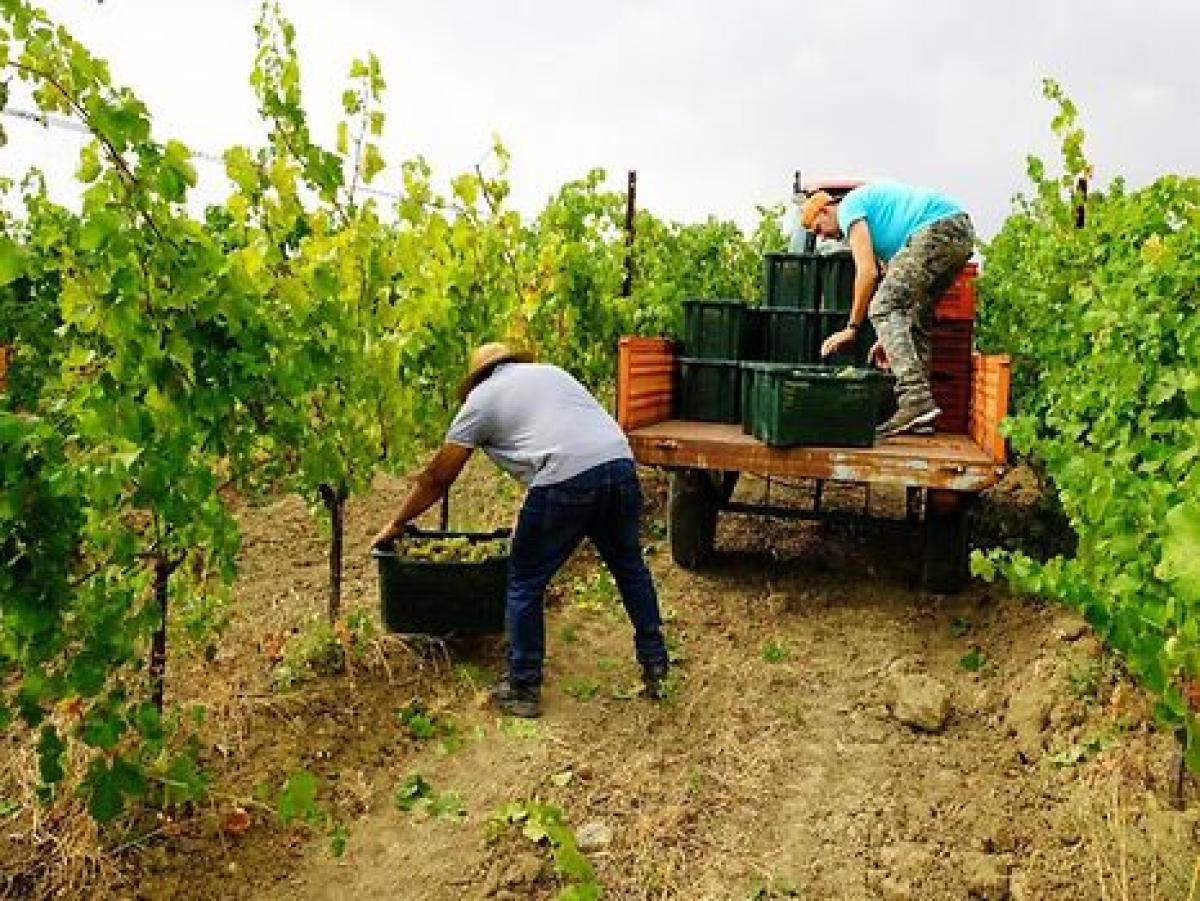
(1094, 292)
(301, 335)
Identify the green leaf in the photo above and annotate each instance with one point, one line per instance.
(12, 261)
(102, 728)
(535, 830)
(414, 788)
(1192, 744)
(372, 164)
(50, 750)
(128, 778)
(571, 863)
(982, 566)
(584, 891)
(104, 799)
(148, 721)
(973, 661)
(1180, 563)
(298, 798)
(185, 781)
(87, 674)
(107, 787)
(98, 230)
(338, 836)
(89, 163)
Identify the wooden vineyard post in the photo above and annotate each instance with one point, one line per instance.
(630, 215)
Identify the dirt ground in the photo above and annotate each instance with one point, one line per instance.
(832, 732)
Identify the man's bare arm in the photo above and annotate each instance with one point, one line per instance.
(431, 485)
(866, 270)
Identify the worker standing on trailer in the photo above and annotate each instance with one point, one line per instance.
(925, 240)
(543, 427)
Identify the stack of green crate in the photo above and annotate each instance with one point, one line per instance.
(807, 298)
(738, 362)
(837, 297)
(792, 396)
(787, 319)
(717, 335)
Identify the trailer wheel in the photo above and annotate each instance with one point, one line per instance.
(692, 524)
(945, 568)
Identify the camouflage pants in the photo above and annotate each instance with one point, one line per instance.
(902, 309)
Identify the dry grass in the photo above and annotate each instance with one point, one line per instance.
(49, 851)
(57, 851)
(1138, 852)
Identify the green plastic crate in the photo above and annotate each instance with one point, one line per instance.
(755, 378)
(709, 390)
(791, 281)
(837, 281)
(714, 329)
(752, 336)
(787, 336)
(819, 405)
(442, 598)
(746, 387)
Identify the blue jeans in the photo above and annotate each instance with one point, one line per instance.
(603, 503)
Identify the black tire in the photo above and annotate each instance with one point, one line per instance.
(945, 564)
(692, 523)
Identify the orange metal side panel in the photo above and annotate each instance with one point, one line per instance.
(958, 303)
(990, 377)
(645, 381)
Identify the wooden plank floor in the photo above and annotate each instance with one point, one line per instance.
(953, 462)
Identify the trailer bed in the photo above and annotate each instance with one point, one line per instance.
(945, 470)
(941, 461)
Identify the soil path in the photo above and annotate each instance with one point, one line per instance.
(782, 766)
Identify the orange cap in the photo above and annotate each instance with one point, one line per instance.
(812, 206)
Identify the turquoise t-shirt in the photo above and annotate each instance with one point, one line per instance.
(894, 213)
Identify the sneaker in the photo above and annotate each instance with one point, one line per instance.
(517, 698)
(654, 678)
(910, 417)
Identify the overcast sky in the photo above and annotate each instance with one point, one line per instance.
(714, 103)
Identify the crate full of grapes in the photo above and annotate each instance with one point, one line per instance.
(444, 583)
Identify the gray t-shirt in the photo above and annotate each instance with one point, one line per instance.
(537, 423)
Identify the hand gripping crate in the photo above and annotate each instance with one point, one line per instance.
(854, 354)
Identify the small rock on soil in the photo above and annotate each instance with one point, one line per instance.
(921, 702)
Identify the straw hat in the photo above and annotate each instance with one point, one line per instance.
(813, 206)
(485, 358)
